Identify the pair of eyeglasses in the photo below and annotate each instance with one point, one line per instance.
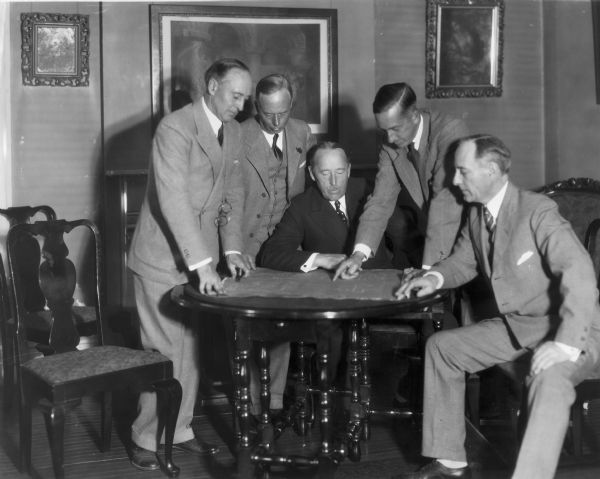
(223, 213)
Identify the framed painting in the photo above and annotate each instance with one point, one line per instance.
(464, 48)
(299, 42)
(55, 49)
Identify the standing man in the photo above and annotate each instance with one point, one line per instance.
(544, 286)
(195, 149)
(412, 173)
(274, 169)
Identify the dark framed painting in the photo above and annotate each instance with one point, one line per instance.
(55, 49)
(464, 48)
(299, 42)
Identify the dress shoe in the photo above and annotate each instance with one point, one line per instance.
(194, 446)
(436, 470)
(144, 459)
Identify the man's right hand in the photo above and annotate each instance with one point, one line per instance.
(210, 281)
(419, 286)
(349, 269)
(328, 261)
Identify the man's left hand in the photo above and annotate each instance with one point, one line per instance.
(547, 355)
(240, 265)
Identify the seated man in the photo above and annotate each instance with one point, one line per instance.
(321, 221)
(544, 286)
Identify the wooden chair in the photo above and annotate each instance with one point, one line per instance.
(61, 378)
(39, 329)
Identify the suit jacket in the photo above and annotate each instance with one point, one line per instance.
(312, 223)
(176, 226)
(256, 185)
(435, 169)
(542, 278)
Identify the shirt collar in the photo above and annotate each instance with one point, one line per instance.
(419, 134)
(342, 201)
(269, 137)
(214, 122)
(496, 202)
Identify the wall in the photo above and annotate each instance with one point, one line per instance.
(571, 113)
(516, 117)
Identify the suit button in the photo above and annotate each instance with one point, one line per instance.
(264, 195)
(258, 215)
(251, 235)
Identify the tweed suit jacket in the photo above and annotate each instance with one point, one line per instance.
(176, 226)
(542, 278)
(435, 170)
(312, 223)
(297, 140)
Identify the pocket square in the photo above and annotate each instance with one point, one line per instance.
(524, 257)
(302, 164)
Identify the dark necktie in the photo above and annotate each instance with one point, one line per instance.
(276, 151)
(413, 155)
(220, 135)
(340, 213)
(488, 220)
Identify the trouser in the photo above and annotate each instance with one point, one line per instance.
(279, 357)
(451, 354)
(169, 329)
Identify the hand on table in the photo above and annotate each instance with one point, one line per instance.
(328, 261)
(240, 265)
(349, 268)
(420, 286)
(546, 355)
(210, 281)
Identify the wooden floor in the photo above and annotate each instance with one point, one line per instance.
(393, 447)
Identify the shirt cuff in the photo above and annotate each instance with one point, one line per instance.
(426, 267)
(227, 253)
(309, 264)
(364, 249)
(570, 350)
(440, 278)
(195, 266)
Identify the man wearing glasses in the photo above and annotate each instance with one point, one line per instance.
(176, 238)
(274, 169)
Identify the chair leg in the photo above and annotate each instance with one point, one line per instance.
(106, 427)
(169, 400)
(577, 428)
(25, 427)
(8, 366)
(54, 415)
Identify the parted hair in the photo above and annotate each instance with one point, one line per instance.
(221, 67)
(393, 93)
(489, 145)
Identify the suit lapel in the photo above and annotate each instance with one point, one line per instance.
(324, 214)
(424, 155)
(409, 177)
(293, 153)
(208, 141)
(504, 223)
(258, 150)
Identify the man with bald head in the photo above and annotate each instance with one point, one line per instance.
(176, 239)
(547, 314)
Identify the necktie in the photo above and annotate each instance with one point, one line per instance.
(340, 213)
(488, 219)
(220, 135)
(276, 151)
(412, 155)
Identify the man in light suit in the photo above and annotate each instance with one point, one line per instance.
(313, 233)
(411, 194)
(194, 151)
(274, 169)
(544, 285)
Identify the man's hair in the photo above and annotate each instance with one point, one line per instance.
(393, 93)
(273, 83)
(489, 145)
(322, 146)
(221, 67)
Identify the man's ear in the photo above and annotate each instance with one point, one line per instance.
(310, 172)
(213, 86)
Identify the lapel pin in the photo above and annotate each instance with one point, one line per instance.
(298, 149)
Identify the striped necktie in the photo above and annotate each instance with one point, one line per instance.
(276, 151)
(340, 213)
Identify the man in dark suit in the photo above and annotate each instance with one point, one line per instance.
(411, 196)
(176, 238)
(544, 286)
(322, 220)
(274, 170)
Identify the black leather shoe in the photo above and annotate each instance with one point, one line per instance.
(144, 459)
(194, 446)
(436, 470)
